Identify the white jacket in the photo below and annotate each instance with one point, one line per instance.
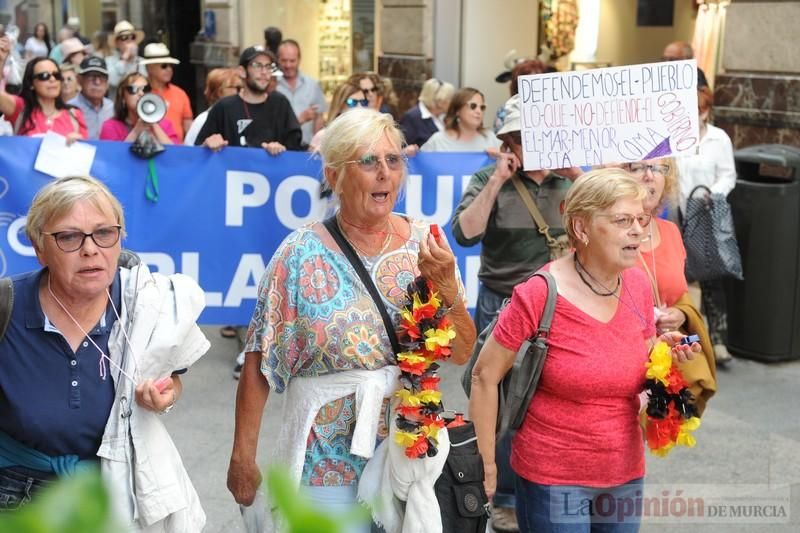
(150, 487)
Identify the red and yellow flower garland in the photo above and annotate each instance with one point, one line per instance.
(671, 417)
(426, 336)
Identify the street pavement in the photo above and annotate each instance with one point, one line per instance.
(747, 447)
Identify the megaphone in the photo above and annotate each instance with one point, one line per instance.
(151, 108)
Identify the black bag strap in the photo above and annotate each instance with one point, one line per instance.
(6, 304)
(549, 304)
(333, 228)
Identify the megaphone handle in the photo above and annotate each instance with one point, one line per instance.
(151, 186)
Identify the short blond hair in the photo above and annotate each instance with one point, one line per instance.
(436, 93)
(58, 197)
(359, 128)
(595, 191)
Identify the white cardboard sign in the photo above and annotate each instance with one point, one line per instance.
(609, 115)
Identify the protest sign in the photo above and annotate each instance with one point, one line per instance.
(609, 115)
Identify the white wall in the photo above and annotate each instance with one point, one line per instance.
(490, 30)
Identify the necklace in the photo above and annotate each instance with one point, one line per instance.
(580, 269)
(364, 253)
(90, 339)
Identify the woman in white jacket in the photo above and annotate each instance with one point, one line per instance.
(714, 167)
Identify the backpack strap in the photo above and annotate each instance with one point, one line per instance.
(6, 304)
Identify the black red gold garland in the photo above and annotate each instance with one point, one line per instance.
(671, 417)
(425, 337)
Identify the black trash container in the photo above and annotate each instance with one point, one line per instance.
(764, 309)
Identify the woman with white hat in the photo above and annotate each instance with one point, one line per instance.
(125, 58)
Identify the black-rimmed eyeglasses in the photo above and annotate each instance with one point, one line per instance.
(72, 241)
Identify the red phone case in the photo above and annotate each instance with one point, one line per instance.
(436, 232)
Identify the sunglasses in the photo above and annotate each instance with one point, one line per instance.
(352, 102)
(136, 89)
(474, 106)
(373, 90)
(126, 37)
(45, 76)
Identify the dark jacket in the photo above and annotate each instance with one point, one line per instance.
(416, 129)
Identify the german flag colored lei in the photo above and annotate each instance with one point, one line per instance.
(671, 417)
(425, 337)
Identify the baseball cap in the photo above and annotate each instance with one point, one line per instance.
(511, 119)
(93, 64)
(251, 53)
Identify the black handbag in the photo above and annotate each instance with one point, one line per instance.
(709, 238)
(459, 490)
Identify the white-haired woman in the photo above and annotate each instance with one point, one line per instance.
(425, 119)
(315, 318)
(104, 367)
(580, 439)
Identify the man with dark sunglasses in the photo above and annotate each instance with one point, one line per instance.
(125, 58)
(255, 117)
(160, 68)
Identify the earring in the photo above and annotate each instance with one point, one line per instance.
(586, 241)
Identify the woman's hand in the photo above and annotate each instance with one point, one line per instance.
(490, 479)
(680, 352)
(670, 319)
(158, 395)
(411, 150)
(5, 49)
(274, 148)
(438, 264)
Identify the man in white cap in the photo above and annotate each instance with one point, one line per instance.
(96, 108)
(493, 213)
(160, 69)
(125, 58)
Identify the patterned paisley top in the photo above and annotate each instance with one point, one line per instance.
(315, 317)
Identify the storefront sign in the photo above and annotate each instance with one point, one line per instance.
(609, 115)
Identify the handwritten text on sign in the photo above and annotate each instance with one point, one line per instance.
(617, 114)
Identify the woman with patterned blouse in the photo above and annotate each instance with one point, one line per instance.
(316, 333)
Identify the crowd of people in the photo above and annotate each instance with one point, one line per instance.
(617, 260)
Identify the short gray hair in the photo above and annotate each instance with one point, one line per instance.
(58, 197)
(597, 190)
(435, 93)
(359, 128)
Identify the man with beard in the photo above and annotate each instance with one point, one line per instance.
(254, 117)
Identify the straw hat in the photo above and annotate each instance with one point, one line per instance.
(155, 53)
(124, 27)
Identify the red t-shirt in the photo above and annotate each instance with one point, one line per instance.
(668, 264)
(582, 427)
(61, 123)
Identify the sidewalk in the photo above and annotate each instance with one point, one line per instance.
(750, 436)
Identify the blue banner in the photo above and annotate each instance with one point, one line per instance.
(220, 216)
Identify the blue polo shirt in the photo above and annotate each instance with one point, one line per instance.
(51, 398)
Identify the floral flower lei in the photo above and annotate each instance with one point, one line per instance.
(671, 418)
(425, 336)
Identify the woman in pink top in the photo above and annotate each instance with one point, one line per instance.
(126, 124)
(39, 108)
(580, 443)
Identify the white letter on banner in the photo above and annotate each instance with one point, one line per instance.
(283, 201)
(162, 262)
(235, 197)
(473, 264)
(444, 199)
(14, 230)
(251, 266)
(190, 265)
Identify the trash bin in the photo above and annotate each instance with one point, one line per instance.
(764, 308)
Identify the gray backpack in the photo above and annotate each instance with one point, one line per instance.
(519, 384)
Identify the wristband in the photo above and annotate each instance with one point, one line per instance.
(171, 406)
